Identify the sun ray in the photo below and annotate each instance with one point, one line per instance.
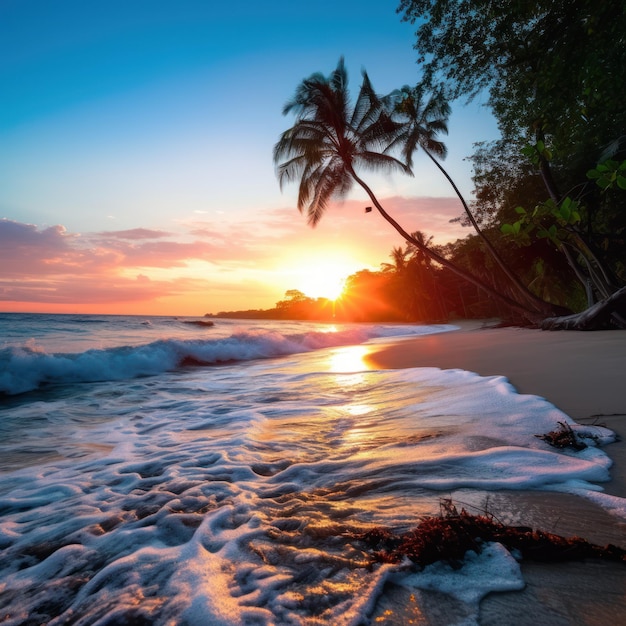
(321, 278)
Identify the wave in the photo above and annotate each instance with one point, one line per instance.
(27, 368)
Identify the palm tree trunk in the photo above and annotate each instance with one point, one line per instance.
(532, 314)
(530, 297)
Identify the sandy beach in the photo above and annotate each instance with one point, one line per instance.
(583, 374)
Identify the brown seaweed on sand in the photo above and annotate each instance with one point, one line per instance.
(563, 437)
(449, 536)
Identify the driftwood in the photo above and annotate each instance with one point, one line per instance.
(607, 314)
(449, 536)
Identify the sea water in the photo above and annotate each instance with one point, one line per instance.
(159, 470)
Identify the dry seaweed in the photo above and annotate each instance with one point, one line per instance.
(449, 536)
(563, 437)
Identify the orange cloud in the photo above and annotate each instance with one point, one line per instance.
(230, 262)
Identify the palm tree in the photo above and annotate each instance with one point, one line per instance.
(421, 117)
(418, 253)
(331, 140)
(399, 258)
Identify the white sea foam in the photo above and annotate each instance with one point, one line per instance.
(227, 495)
(493, 569)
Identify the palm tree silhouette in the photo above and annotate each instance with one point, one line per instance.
(399, 257)
(331, 140)
(421, 116)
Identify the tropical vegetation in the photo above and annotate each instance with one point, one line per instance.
(553, 185)
(554, 73)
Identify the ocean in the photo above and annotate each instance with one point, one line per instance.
(160, 470)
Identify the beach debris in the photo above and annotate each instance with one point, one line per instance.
(204, 323)
(563, 437)
(608, 314)
(450, 535)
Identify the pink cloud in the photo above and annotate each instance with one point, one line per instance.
(51, 265)
(156, 254)
(347, 224)
(96, 290)
(29, 236)
(261, 239)
(26, 250)
(429, 214)
(135, 234)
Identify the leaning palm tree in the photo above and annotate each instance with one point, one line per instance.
(422, 116)
(332, 140)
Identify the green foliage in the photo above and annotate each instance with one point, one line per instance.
(555, 74)
(609, 174)
(548, 220)
(512, 229)
(556, 65)
(535, 152)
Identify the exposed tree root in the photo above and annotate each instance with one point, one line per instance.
(608, 314)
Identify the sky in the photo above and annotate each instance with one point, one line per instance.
(136, 137)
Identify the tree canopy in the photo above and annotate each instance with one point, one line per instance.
(555, 74)
(553, 64)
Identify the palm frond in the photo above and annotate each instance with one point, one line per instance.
(331, 138)
(422, 118)
(375, 161)
(332, 182)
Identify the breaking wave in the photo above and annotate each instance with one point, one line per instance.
(28, 367)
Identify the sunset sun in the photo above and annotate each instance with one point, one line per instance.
(322, 280)
(318, 284)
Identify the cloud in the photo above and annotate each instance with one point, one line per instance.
(29, 236)
(135, 234)
(431, 215)
(86, 289)
(24, 249)
(154, 254)
(265, 235)
(52, 266)
(229, 258)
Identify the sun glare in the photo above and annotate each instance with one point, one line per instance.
(322, 280)
(348, 359)
(323, 287)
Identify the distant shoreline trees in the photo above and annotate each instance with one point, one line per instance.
(409, 290)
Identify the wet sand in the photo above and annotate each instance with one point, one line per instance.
(581, 373)
(584, 375)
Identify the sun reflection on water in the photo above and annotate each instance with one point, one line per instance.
(348, 359)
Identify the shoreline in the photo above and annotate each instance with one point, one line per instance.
(581, 373)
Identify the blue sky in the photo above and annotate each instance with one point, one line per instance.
(129, 127)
